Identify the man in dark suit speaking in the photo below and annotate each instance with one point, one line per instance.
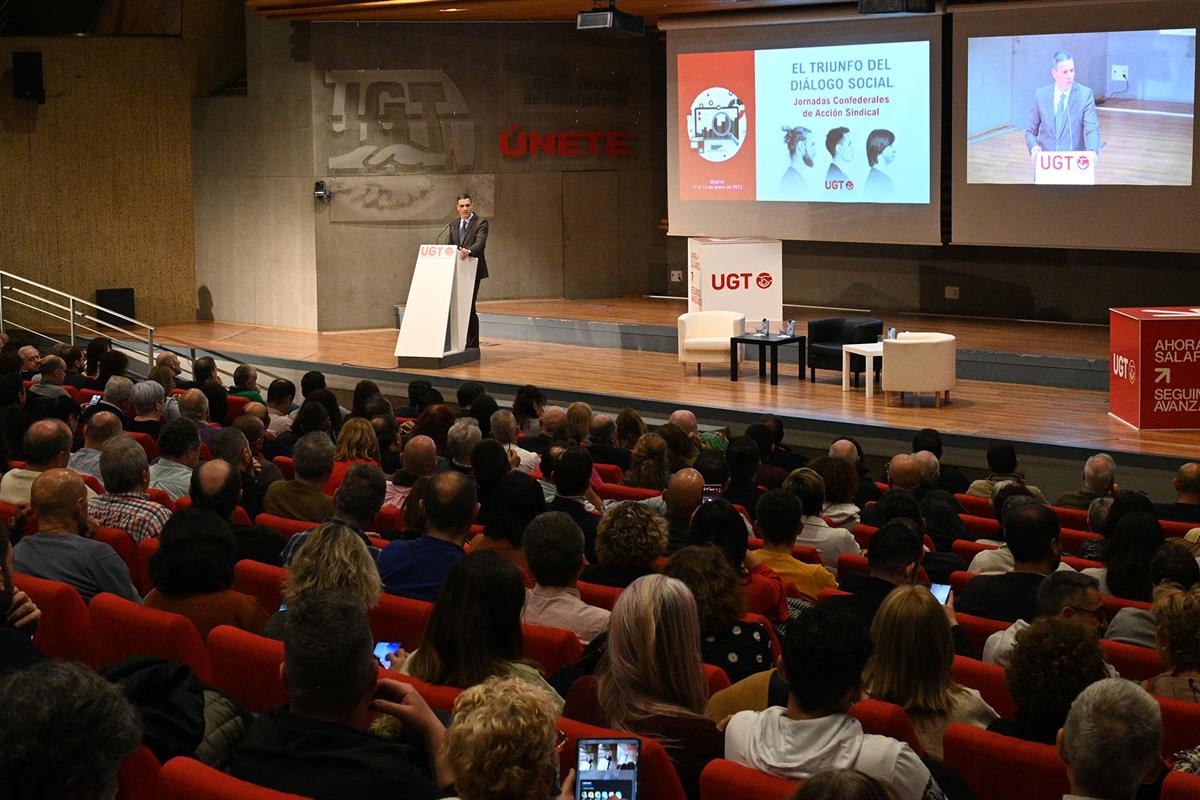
(1063, 116)
(470, 234)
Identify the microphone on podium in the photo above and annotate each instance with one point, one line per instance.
(446, 230)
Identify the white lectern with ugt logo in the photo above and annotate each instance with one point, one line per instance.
(743, 275)
(433, 331)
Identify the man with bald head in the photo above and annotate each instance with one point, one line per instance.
(601, 442)
(1187, 486)
(848, 449)
(418, 460)
(103, 426)
(217, 486)
(193, 405)
(47, 445)
(553, 421)
(53, 371)
(1099, 480)
(916, 474)
(678, 502)
(58, 551)
(503, 424)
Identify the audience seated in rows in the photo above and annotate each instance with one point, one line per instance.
(629, 539)
(1002, 465)
(303, 497)
(601, 438)
(356, 444)
(1127, 557)
(47, 446)
(1067, 595)
(727, 642)
(651, 681)
(474, 630)
(829, 541)
(648, 463)
(1032, 532)
(1177, 613)
(63, 548)
(489, 465)
(768, 475)
(1051, 662)
(334, 556)
(356, 505)
(841, 484)
(1186, 507)
(504, 430)
(910, 666)
(217, 486)
(555, 558)
(192, 571)
(677, 504)
(571, 474)
(825, 653)
(894, 559)
(149, 408)
(717, 522)
(780, 516)
(1099, 480)
(518, 499)
(178, 456)
(1110, 741)
(742, 458)
(125, 504)
(319, 744)
(417, 568)
(281, 393)
(1172, 567)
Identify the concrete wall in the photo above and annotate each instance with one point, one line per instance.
(95, 190)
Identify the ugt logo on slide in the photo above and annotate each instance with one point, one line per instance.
(1071, 167)
(717, 124)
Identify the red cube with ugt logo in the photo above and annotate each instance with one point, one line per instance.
(1154, 367)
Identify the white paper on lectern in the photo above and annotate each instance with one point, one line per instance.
(439, 303)
(743, 275)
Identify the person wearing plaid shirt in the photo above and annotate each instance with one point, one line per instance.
(126, 474)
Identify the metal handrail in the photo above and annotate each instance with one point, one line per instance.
(75, 317)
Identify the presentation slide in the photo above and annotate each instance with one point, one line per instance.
(1097, 108)
(836, 124)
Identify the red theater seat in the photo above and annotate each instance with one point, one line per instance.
(146, 549)
(998, 767)
(65, 630)
(162, 498)
(967, 549)
(284, 525)
(1181, 786)
(716, 679)
(138, 776)
(610, 473)
(236, 405)
(186, 779)
(239, 517)
(595, 594)
(1181, 725)
(1072, 540)
(148, 444)
(887, 719)
(552, 648)
(286, 466)
(247, 666)
(727, 780)
(263, 582)
(1133, 662)
(400, 619)
(978, 629)
(615, 491)
(981, 527)
(656, 774)
(848, 563)
(126, 548)
(988, 680)
(123, 629)
(976, 506)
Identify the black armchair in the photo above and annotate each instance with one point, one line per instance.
(826, 337)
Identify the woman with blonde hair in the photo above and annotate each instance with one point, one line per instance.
(1177, 630)
(910, 666)
(503, 741)
(648, 467)
(579, 422)
(333, 556)
(628, 540)
(630, 428)
(356, 444)
(651, 680)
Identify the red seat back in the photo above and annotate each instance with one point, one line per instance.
(978, 629)
(595, 594)
(247, 666)
(146, 548)
(716, 679)
(656, 774)
(848, 563)
(1133, 662)
(552, 648)
(825, 594)
(988, 680)
(138, 777)
(800, 552)
(728, 780)
(615, 491)
(1114, 604)
(400, 619)
(286, 466)
(389, 518)
(284, 525)
(65, 630)
(126, 548)
(981, 527)
(862, 534)
(86, 395)
(1075, 518)
(263, 582)
(887, 719)
(123, 629)
(998, 767)
(148, 444)
(1181, 725)
(1181, 786)
(776, 647)
(239, 517)
(161, 497)
(186, 779)
(92, 483)
(236, 405)
(959, 580)
(439, 697)
(966, 549)
(1078, 564)
(610, 473)
(1173, 529)
(1072, 540)
(976, 506)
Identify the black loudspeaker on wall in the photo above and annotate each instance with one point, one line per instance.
(894, 6)
(27, 76)
(118, 300)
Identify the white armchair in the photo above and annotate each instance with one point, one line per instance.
(919, 362)
(704, 337)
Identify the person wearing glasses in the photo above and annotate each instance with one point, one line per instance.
(1071, 596)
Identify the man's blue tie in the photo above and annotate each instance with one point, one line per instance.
(1061, 133)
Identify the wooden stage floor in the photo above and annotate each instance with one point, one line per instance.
(1065, 417)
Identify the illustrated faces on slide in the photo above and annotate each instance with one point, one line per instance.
(844, 151)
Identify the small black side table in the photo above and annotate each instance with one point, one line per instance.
(773, 342)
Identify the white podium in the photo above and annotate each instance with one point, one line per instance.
(743, 275)
(433, 331)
